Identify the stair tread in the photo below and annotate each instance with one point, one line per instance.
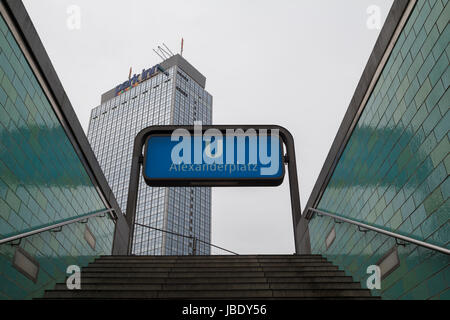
(211, 293)
(307, 279)
(147, 273)
(210, 268)
(215, 286)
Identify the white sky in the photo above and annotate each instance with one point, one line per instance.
(290, 63)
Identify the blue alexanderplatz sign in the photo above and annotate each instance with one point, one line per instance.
(214, 156)
(233, 157)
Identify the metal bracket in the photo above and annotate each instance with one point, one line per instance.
(84, 221)
(113, 216)
(16, 242)
(337, 221)
(362, 230)
(56, 229)
(398, 243)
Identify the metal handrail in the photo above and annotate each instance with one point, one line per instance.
(56, 225)
(185, 236)
(379, 230)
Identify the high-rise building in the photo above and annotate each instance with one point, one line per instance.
(172, 92)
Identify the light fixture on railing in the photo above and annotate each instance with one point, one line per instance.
(330, 238)
(26, 264)
(389, 262)
(89, 237)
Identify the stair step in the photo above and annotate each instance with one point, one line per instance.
(322, 293)
(208, 265)
(212, 286)
(323, 277)
(92, 279)
(206, 294)
(226, 256)
(210, 269)
(207, 261)
(215, 257)
(134, 274)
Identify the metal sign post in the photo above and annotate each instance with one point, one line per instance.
(159, 169)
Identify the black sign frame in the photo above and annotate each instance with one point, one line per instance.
(138, 160)
(208, 182)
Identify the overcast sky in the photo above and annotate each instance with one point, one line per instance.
(292, 63)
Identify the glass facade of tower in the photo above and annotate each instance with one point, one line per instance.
(171, 98)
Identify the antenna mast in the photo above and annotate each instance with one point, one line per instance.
(158, 54)
(163, 54)
(182, 42)
(168, 49)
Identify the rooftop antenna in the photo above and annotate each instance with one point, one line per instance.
(182, 46)
(163, 52)
(167, 49)
(129, 74)
(159, 54)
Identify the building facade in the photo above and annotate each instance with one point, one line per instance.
(171, 93)
(48, 172)
(390, 162)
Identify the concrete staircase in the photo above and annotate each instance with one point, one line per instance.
(212, 277)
